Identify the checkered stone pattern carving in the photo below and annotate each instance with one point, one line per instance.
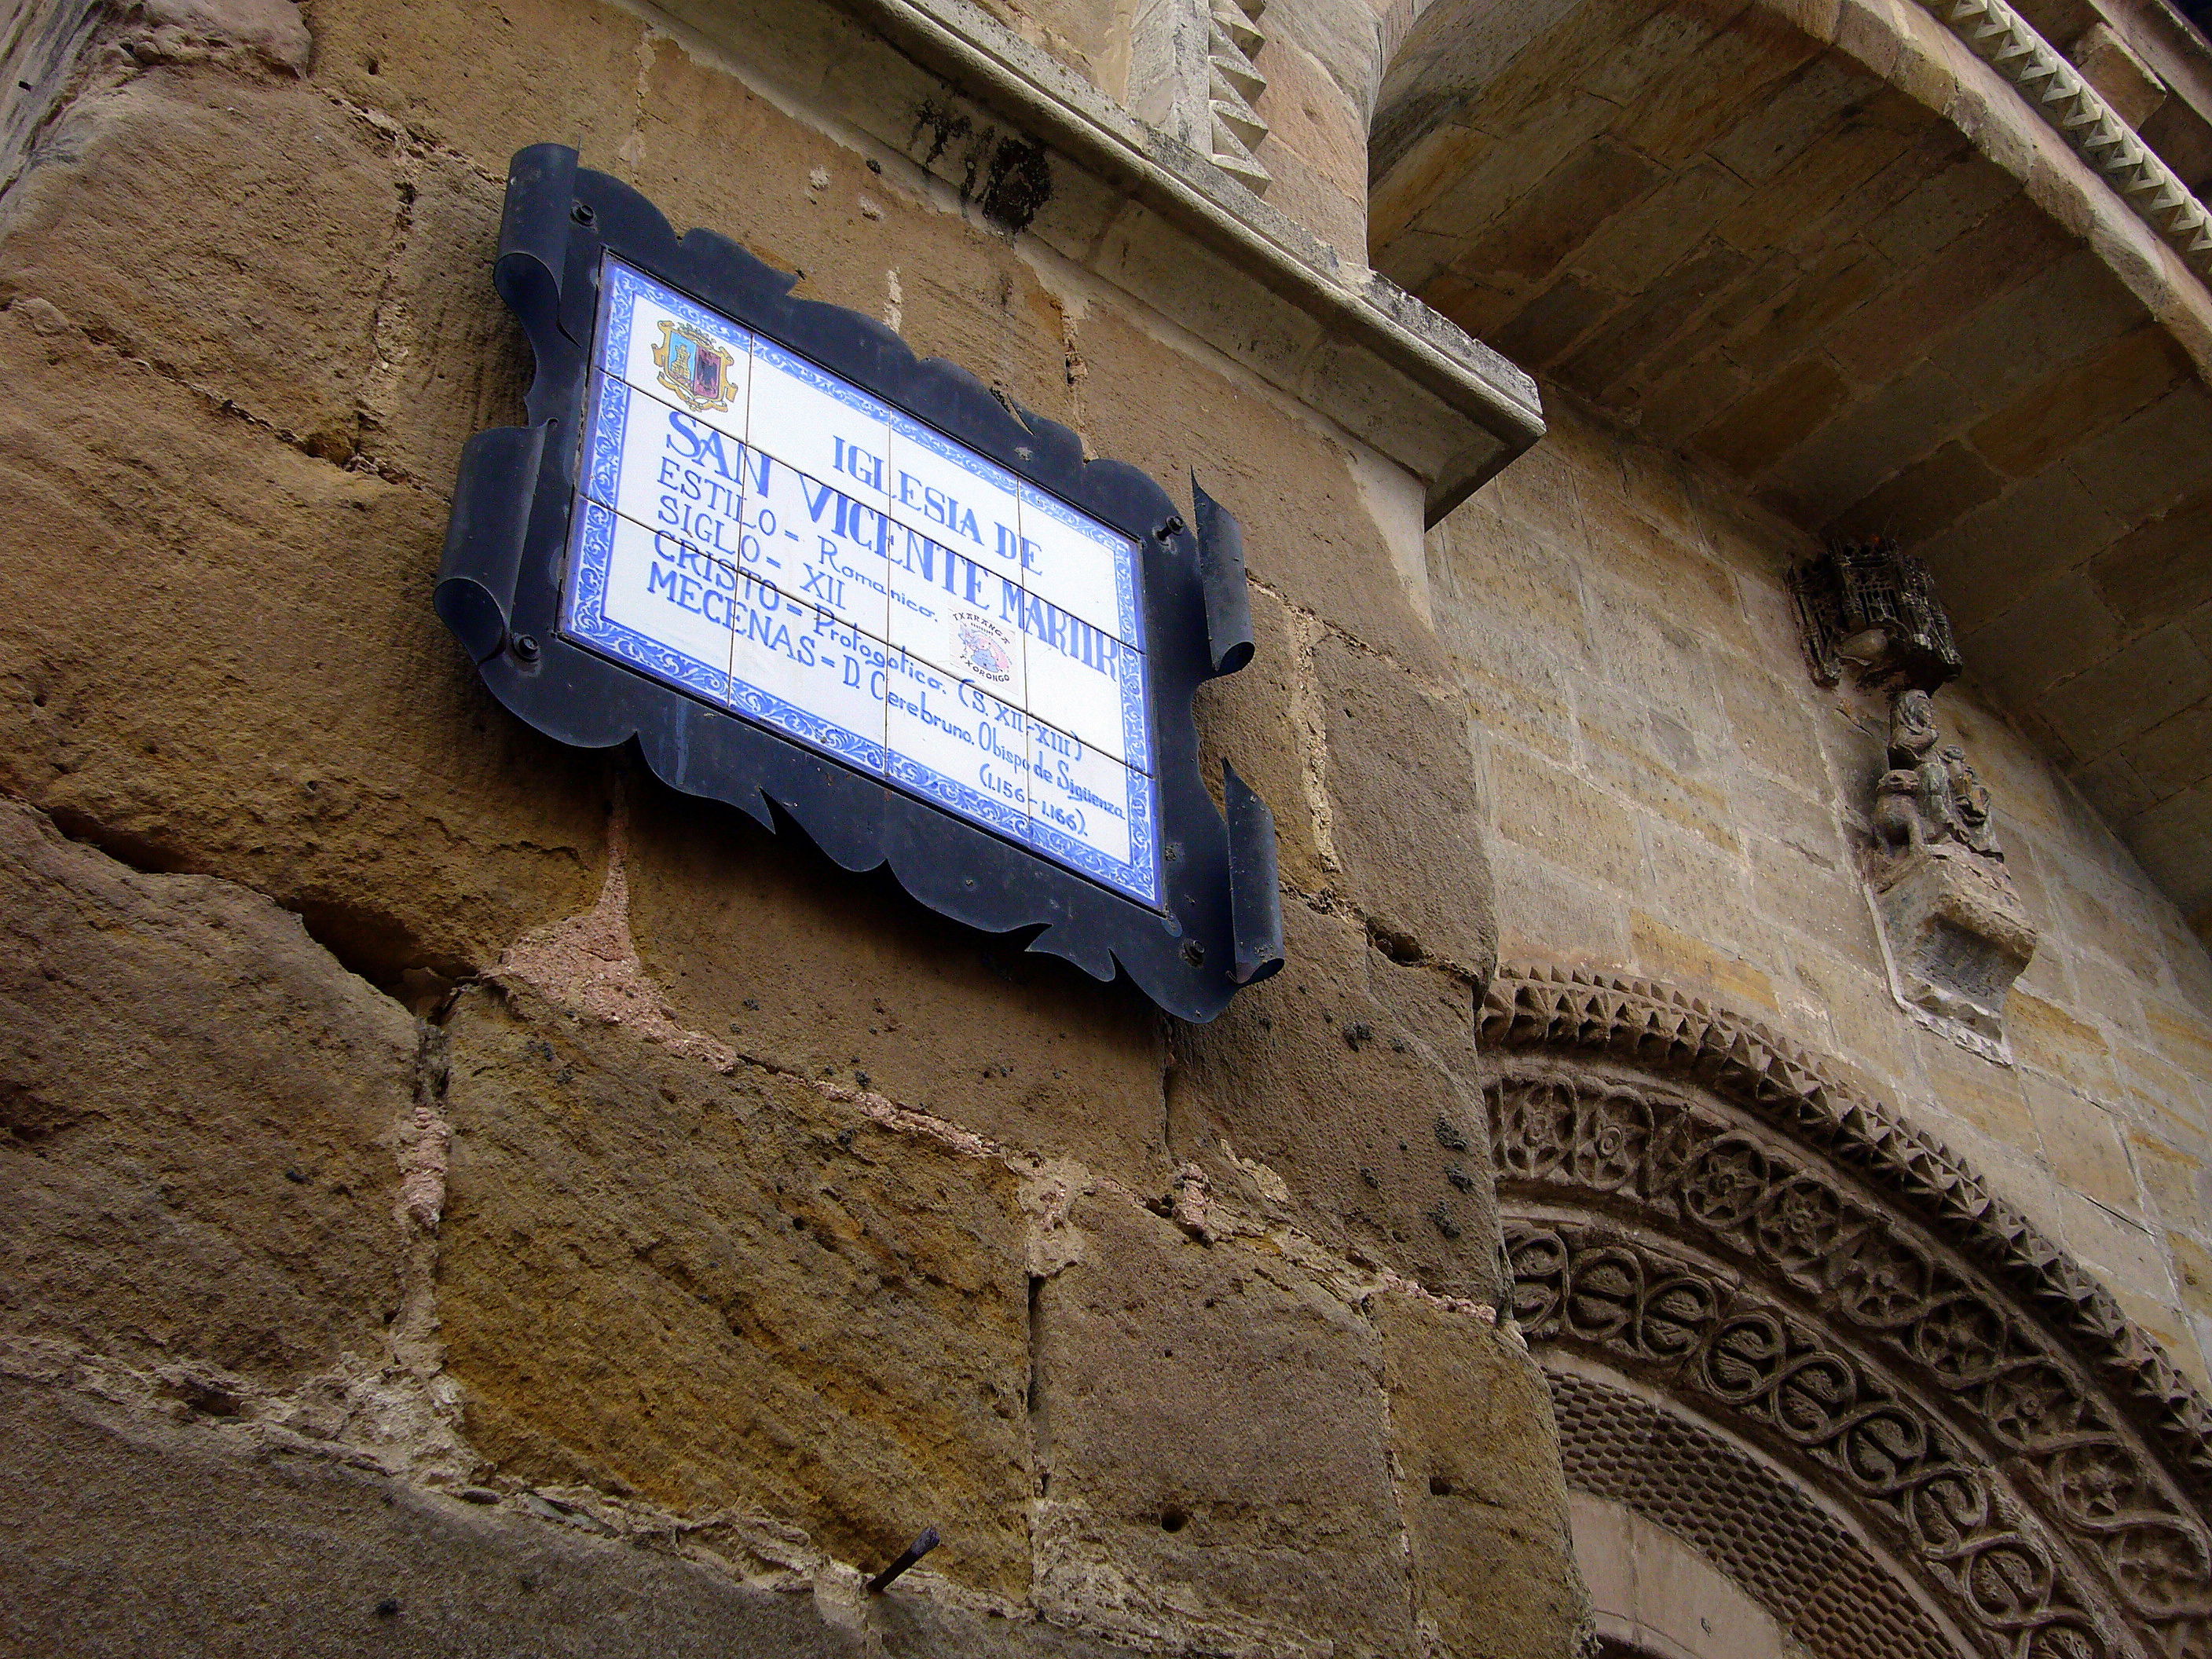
(1821, 1584)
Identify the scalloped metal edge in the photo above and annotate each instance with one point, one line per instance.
(1220, 927)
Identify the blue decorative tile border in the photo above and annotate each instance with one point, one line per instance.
(602, 456)
(599, 558)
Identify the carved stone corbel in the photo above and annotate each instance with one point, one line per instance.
(1957, 934)
(1953, 928)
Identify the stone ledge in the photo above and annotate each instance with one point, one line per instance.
(957, 39)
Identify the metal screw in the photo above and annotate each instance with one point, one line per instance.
(581, 213)
(1194, 953)
(1171, 529)
(525, 648)
(914, 1552)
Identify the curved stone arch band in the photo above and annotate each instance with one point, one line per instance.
(1693, 1205)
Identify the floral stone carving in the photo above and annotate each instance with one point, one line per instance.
(1697, 1209)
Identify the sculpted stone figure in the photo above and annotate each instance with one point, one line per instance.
(1958, 936)
(1912, 728)
(1949, 802)
(1970, 803)
(1912, 739)
(1899, 827)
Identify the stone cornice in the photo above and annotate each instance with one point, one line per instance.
(991, 63)
(1664, 1030)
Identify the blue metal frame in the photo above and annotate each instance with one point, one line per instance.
(508, 553)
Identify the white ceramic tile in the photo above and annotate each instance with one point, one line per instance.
(1092, 813)
(1086, 682)
(674, 348)
(811, 419)
(954, 496)
(956, 746)
(799, 670)
(652, 464)
(816, 542)
(965, 623)
(648, 600)
(1081, 565)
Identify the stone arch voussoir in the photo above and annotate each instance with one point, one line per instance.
(1708, 1229)
(1429, 46)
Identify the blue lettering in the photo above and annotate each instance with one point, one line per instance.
(1089, 797)
(1008, 789)
(687, 430)
(860, 463)
(921, 552)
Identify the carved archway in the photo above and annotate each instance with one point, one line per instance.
(1809, 1342)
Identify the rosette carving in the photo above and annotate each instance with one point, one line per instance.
(1691, 1203)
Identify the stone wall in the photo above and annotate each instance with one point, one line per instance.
(1671, 794)
(458, 1186)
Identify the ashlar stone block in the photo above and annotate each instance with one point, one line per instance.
(487, 80)
(1342, 1097)
(2085, 1146)
(1320, 547)
(200, 1108)
(762, 942)
(452, 358)
(731, 1293)
(1218, 1475)
(1404, 811)
(285, 1557)
(268, 298)
(1253, 720)
(1475, 1452)
(1563, 816)
(241, 674)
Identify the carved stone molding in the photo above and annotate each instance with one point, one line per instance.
(1743, 1516)
(1696, 1203)
(1234, 84)
(2078, 113)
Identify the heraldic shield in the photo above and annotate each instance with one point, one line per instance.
(693, 367)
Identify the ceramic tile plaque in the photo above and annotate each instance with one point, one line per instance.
(762, 533)
(811, 575)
